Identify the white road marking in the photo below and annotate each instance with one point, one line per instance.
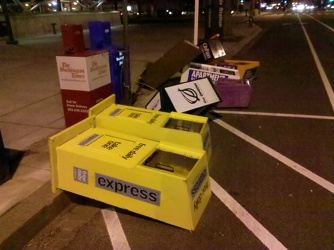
(293, 165)
(115, 230)
(119, 241)
(274, 114)
(328, 27)
(246, 218)
(321, 70)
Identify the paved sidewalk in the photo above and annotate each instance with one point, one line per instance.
(31, 109)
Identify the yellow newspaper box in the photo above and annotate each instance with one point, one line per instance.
(156, 179)
(183, 129)
(247, 69)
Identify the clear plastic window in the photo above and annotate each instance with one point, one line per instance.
(171, 162)
(184, 125)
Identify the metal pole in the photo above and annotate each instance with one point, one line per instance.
(196, 22)
(126, 62)
(59, 5)
(9, 26)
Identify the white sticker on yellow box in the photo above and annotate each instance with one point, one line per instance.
(80, 175)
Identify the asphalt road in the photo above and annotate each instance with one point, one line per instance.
(290, 132)
(272, 163)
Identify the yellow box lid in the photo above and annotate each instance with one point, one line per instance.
(114, 147)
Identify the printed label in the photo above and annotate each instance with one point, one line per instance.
(127, 189)
(83, 73)
(199, 199)
(206, 51)
(110, 145)
(75, 73)
(115, 112)
(134, 115)
(194, 74)
(133, 151)
(154, 119)
(200, 179)
(88, 140)
(73, 106)
(80, 175)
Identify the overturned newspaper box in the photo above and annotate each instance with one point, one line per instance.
(185, 130)
(151, 178)
(234, 93)
(194, 71)
(247, 69)
(187, 97)
(212, 48)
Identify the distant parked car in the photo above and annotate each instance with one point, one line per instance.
(301, 7)
(330, 6)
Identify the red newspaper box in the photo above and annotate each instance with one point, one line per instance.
(73, 39)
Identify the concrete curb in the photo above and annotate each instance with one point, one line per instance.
(36, 211)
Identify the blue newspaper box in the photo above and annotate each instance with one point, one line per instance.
(116, 59)
(99, 35)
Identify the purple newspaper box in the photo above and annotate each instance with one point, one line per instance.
(234, 93)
